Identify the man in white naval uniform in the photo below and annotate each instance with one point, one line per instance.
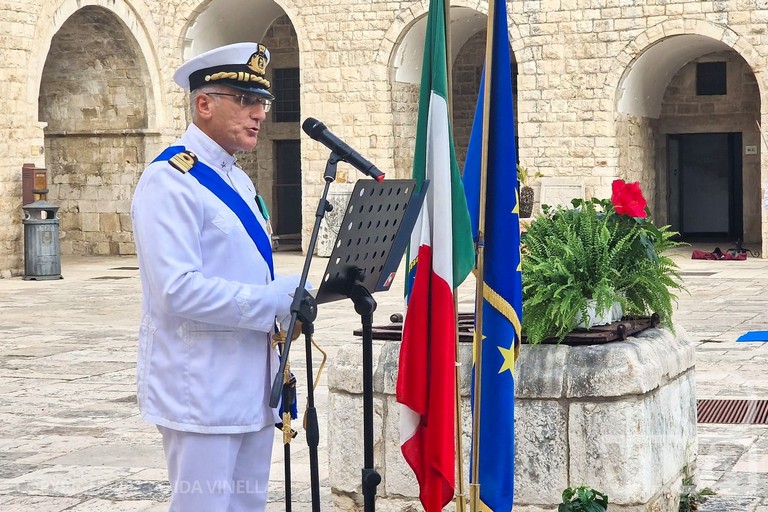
(205, 361)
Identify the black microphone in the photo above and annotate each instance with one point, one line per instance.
(320, 133)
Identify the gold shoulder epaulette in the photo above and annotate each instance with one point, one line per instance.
(183, 161)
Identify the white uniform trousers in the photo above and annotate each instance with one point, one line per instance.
(218, 472)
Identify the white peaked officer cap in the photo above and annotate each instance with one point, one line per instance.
(240, 65)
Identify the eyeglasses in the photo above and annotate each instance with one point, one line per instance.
(247, 100)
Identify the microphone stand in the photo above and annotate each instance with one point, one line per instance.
(365, 305)
(304, 308)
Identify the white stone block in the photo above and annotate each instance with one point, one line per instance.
(541, 451)
(399, 478)
(345, 373)
(385, 375)
(611, 449)
(633, 367)
(540, 370)
(346, 440)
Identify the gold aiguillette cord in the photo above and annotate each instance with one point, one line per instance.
(316, 381)
(277, 339)
(288, 380)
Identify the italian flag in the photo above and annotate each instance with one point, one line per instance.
(440, 256)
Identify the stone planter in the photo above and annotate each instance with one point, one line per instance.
(620, 417)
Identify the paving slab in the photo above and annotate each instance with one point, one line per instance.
(71, 438)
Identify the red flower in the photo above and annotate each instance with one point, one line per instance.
(627, 199)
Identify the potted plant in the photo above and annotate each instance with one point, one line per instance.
(526, 191)
(594, 257)
(583, 499)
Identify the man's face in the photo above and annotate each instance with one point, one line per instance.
(233, 126)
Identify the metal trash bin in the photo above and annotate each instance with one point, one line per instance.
(42, 248)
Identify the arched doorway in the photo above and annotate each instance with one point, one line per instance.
(96, 101)
(275, 165)
(713, 177)
(468, 37)
(688, 111)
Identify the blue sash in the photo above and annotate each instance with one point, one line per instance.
(211, 180)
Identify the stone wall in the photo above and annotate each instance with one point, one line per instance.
(108, 91)
(467, 70)
(405, 110)
(96, 122)
(574, 62)
(636, 158)
(21, 138)
(92, 180)
(108, 94)
(620, 417)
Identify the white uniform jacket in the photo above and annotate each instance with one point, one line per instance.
(205, 361)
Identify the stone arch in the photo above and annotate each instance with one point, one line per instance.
(408, 16)
(91, 65)
(137, 19)
(275, 165)
(401, 51)
(97, 105)
(651, 87)
(271, 10)
(631, 61)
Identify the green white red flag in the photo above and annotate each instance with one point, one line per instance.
(440, 256)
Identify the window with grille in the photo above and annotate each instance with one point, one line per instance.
(287, 106)
(711, 79)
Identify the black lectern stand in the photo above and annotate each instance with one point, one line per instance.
(372, 238)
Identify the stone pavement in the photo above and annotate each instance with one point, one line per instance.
(71, 438)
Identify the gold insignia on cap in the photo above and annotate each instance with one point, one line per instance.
(258, 61)
(239, 76)
(183, 161)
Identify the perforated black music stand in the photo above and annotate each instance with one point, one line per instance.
(372, 238)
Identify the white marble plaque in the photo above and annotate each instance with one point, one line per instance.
(558, 192)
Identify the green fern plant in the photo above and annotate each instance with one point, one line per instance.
(592, 252)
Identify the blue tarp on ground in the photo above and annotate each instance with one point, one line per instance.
(754, 336)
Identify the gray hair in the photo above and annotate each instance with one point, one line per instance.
(197, 92)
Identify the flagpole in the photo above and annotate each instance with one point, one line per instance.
(461, 498)
(474, 486)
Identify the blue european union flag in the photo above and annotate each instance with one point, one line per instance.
(502, 304)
